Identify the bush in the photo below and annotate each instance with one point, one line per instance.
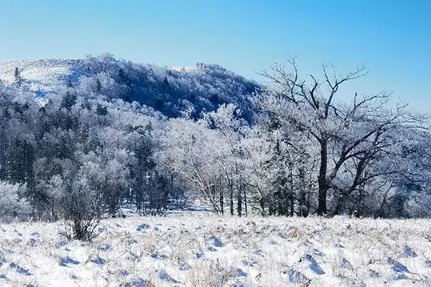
(80, 206)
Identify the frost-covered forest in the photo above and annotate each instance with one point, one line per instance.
(81, 138)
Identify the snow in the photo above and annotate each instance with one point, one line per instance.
(210, 250)
(40, 74)
(184, 68)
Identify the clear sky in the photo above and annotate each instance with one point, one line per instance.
(392, 37)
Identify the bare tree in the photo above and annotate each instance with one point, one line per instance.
(342, 132)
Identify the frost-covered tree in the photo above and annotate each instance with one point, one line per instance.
(186, 152)
(349, 137)
(12, 203)
(231, 129)
(17, 77)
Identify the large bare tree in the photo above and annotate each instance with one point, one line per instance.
(354, 133)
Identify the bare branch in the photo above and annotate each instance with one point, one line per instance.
(335, 84)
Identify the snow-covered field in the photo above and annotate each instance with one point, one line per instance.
(210, 250)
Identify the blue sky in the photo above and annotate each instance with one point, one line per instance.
(392, 37)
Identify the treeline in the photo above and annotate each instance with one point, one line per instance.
(80, 154)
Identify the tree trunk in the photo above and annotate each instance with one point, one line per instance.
(239, 203)
(303, 210)
(245, 202)
(221, 200)
(322, 180)
(262, 206)
(231, 198)
(291, 191)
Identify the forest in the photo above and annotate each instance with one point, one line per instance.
(117, 133)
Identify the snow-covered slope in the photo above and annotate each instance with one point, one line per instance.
(39, 75)
(209, 250)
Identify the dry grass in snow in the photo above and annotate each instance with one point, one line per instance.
(209, 250)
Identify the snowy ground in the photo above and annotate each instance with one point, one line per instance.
(38, 75)
(209, 250)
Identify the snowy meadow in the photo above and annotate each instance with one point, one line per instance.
(210, 250)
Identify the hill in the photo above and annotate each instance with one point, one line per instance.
(170, 90)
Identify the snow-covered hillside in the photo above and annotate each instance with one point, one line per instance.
(171, 90)
(209, 250)
(39, 75)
